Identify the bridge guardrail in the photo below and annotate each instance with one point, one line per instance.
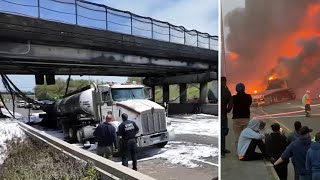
(108, 168)
(98, 16)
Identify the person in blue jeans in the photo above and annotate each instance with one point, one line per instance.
(313, 158)
(297, 150)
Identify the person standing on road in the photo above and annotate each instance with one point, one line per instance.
(291, 138)
(127, 132)
(249, 139)
(226, 107)
(241, 110)
(276, 144)
(313, 158)
(105, 134)
(306, 101)
(110, 113)
(298, 151)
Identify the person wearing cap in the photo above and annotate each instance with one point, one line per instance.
(226, 107)
(127, 132)
(313, 158)
(105, 134)
(297, 150)
(249, 139)
(241, 110)
(306, 101)
(276, 144)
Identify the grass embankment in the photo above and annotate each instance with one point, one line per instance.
(192, 92)
(33, 160)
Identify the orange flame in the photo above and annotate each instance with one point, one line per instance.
(255, 91)
(233, 55)
(288, 46)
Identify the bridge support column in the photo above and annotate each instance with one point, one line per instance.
(153, 90)
(165, 89)
(203, 92)
(183, 93)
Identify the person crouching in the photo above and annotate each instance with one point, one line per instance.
(249, 139)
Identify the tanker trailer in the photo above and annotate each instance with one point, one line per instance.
(80, 112)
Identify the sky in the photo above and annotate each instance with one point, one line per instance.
(192, 14)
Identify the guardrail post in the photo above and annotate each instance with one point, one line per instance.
(151, 28)
(38, 8)
(169, 33)
(197, 39)
(131, 24)
(76, 9)
(106, 17)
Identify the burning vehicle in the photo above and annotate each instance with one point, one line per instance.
(277, 91)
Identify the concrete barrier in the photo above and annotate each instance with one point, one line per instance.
(210, 109)
(271, 170)
(188, 108)
(108, 168)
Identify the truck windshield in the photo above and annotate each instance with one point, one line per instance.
(126, 93)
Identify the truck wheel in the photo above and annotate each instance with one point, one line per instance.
(161, 145)
(73, 135)
(80, 136)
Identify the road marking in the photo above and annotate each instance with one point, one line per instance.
(277, 121)
(277, 114)
(206, 162)
(314, 105)
(267, 117)
(151, 158)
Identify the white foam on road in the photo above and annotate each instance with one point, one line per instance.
(8, 131)
(34, 118)
(8, 113)
(185, 154)
(197, 124)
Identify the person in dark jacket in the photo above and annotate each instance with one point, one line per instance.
(127, 131)
(292, 137)
(105, 134)
(241, 110)
(276, 144)
(226, 107)
(298, 151)
(295, 135)
(313, 158)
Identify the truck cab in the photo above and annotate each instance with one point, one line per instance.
(133, 100)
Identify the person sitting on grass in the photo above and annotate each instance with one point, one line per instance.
(249, 139)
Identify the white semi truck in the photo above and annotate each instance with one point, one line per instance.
(80, 112)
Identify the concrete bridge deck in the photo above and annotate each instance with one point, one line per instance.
(30, 45)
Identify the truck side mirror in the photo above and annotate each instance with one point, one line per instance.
(148, 92)
(105, 98)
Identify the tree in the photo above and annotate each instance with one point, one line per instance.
(57, 91)
(137, 79)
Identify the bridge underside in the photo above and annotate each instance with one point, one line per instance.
(30, 46)
(25, 58)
